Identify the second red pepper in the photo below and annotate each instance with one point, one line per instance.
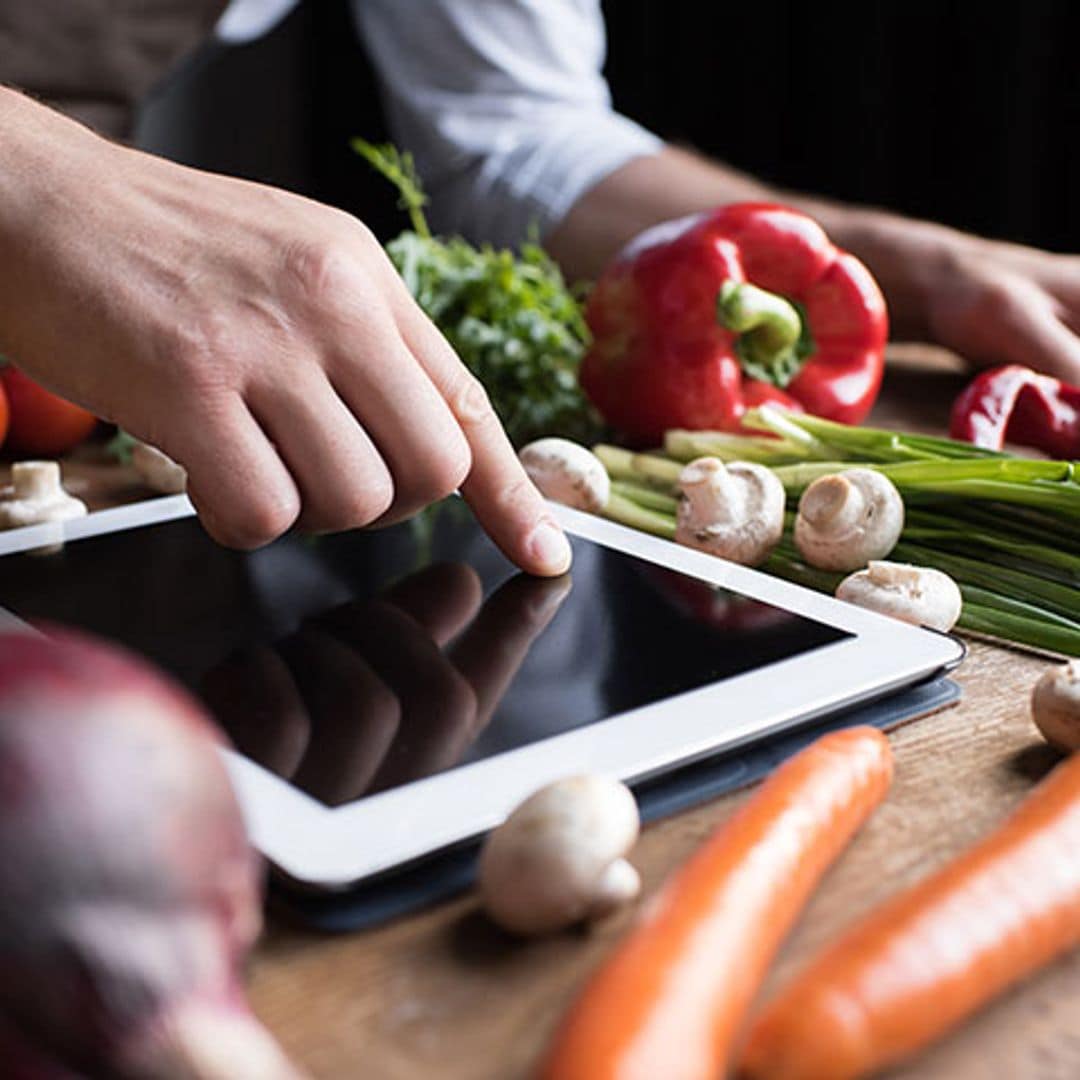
(1018, 404)
(700, 319)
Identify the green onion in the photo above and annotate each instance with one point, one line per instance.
(872, 444)
(1005, 528)
(1015, 628)
(687, 445)
(627, 512)
(641, 468)
(648, 497)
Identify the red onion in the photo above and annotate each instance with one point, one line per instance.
(129, 895)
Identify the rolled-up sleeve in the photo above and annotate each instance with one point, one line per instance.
(503, 104)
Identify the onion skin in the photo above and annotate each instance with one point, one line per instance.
(129, 895)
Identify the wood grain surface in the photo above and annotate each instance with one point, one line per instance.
(443, 994)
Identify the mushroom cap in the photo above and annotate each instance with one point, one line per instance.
(1055, 706)
(914, 594)
(733, 510)
(568, 473)
(846, 519)
(558, 858)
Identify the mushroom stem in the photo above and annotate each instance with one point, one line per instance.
(847, 519)
(36, 479)
(37, 495)
(711, 491)
(618, 885)
(833, 502)
(734, 511)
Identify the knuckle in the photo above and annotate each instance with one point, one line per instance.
(997, 296)
(363, 507)
(470, 402)
(444, 474)
(447, 473)
(258, 523)
(452, 690)
(378, 497)
(324, 272)
(380, 702)
(1007, 300)
(199, 353)
(517, 493)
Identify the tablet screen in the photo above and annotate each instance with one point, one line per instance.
(351, 664)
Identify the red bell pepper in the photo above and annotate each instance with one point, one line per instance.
(699, 319)
(1018, 404)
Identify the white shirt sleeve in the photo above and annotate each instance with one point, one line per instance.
(503, 104)
(245, 20)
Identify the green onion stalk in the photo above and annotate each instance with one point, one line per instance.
(1005, 528)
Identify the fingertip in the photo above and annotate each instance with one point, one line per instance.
(548, 550)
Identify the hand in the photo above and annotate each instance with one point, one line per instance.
(375, 694)
(262, 340)
(997, 303)
(991, 302)
(988, 301)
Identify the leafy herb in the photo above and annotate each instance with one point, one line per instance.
(510, 316)
(400, 169)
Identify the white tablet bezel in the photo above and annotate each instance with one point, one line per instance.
(335, 847)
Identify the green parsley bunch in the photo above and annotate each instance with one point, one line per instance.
(510, 316)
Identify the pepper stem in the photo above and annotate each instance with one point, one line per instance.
(773, 341)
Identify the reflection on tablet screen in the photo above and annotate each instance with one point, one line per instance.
(351, 664)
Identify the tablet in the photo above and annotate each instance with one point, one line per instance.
(394, 693)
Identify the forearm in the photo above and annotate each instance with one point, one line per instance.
(43, 157)
(903, 254)
(36, 145)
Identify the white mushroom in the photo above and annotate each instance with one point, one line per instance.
(735, 510)
(848, 518)
(36, 495)
(1055, 706)
(558, 858)
(568, 473)
(158, 470)
(913, 594)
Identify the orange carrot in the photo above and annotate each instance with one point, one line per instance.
(671, 1000)
(930, 957)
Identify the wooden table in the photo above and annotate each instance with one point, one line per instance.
(442, 994)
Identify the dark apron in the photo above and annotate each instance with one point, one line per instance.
(95, 59)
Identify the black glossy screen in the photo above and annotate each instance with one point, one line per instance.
(357, 662)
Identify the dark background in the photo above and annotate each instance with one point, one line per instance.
(953, 112)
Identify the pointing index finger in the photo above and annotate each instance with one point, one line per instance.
(497, 488)
(499, 491)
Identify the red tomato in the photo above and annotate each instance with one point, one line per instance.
(39, 421)
(3, 414)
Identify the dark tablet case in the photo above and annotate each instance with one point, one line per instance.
(439, 877)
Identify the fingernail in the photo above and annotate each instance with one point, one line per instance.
(550, 548)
